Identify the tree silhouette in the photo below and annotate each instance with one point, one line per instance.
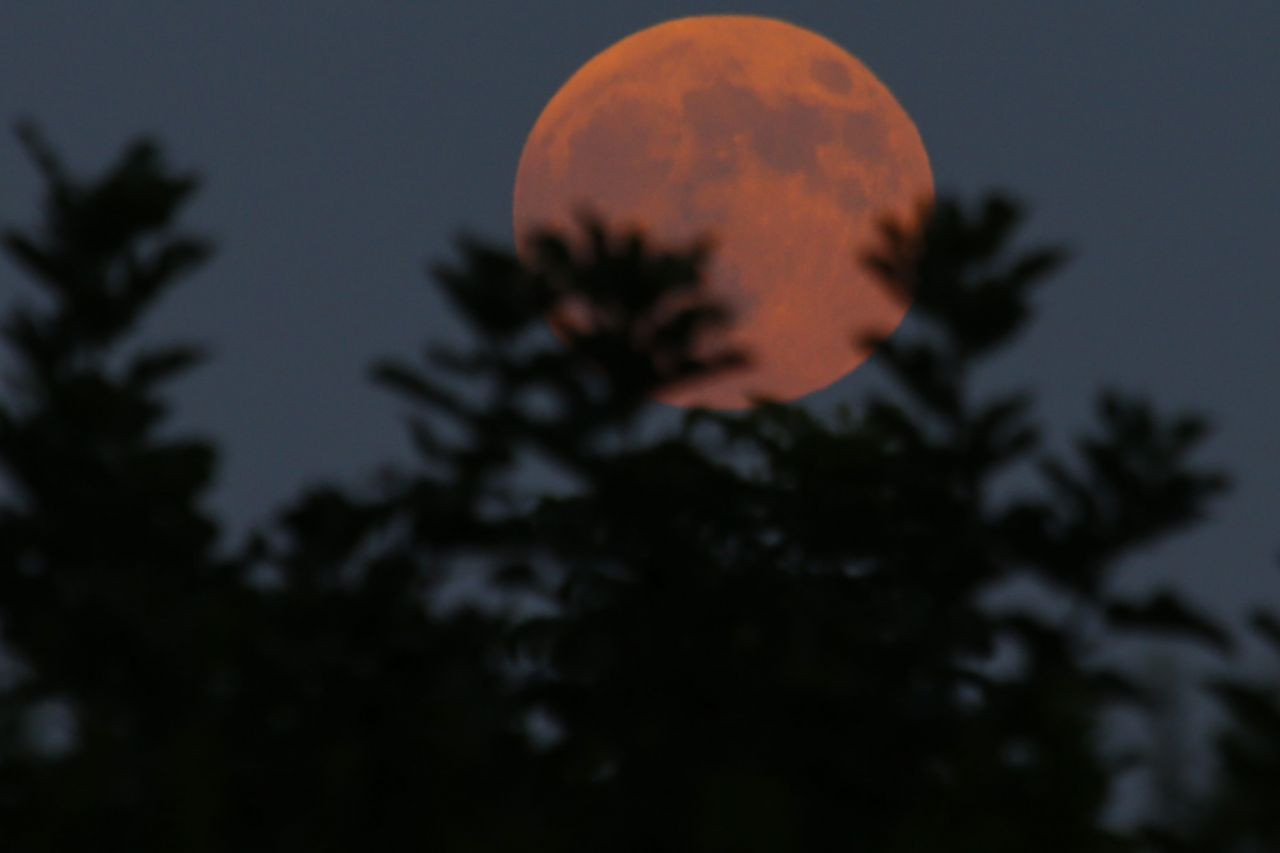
(754, 631)
(103, 547)
(1239, 813)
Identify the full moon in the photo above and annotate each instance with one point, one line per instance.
(771, 140)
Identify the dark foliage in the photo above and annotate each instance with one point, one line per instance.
(759, 631)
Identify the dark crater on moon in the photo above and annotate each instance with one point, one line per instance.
(831, 75)
(784, 136)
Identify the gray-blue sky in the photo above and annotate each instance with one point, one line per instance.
(343, 145)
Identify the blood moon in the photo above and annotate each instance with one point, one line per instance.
(771, 139)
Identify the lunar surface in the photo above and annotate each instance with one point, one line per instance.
(768, 138)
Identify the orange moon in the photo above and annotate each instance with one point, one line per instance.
(772, 140)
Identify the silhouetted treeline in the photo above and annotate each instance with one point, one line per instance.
(760, 631)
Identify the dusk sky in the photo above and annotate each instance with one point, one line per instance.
(344, 146)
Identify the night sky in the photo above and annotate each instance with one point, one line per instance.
(344, 146)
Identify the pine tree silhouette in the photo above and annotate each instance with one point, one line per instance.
(755, 631)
